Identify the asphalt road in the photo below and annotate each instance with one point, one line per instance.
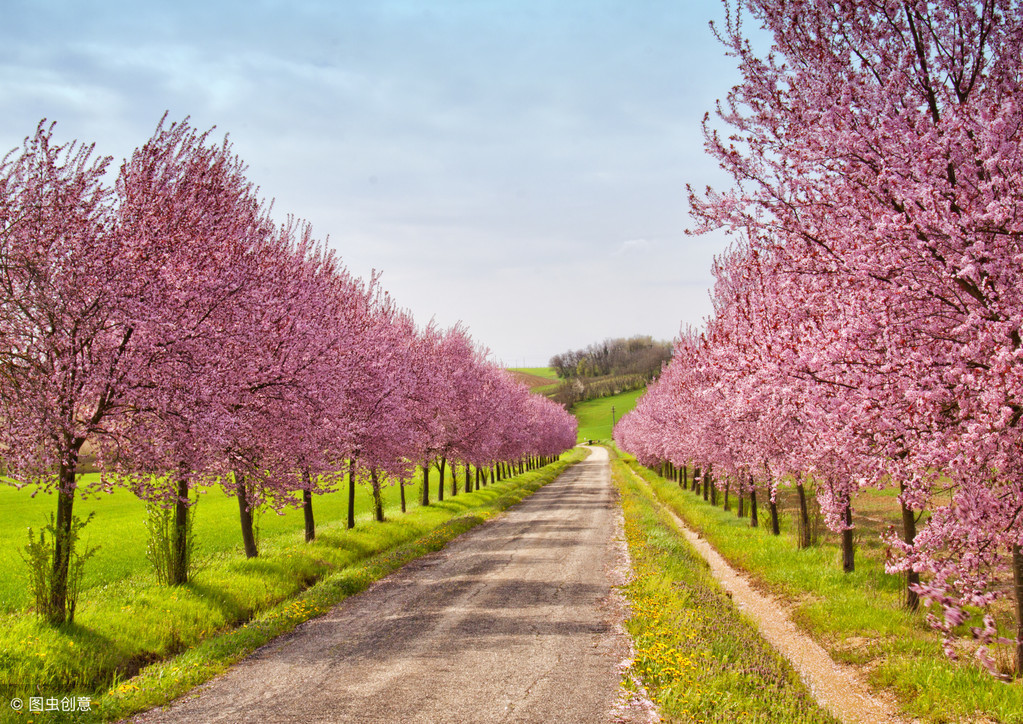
(510, 623)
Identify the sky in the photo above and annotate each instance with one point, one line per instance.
(519, 166)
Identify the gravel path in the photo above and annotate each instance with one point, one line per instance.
(512, 622)
(838, 688)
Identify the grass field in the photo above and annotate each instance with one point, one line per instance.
(119, 529)
(858, 617)
(135, 644)
(594, 416)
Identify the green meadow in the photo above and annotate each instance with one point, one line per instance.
(119, 529)
(595, 416)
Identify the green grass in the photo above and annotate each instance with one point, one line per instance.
(119, 529)
(858, 617)
(135, 644)
(594, 416)
(697, 657)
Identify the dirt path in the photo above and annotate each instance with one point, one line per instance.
(510, 623)
(838, 688)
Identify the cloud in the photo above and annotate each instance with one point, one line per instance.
(633, 246)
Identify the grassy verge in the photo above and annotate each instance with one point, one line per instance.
(135, 644)
(857, 617)
(595, 416)
(699, 659)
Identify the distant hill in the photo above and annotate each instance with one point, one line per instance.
(534, 377)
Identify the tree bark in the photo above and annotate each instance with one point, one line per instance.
(468, 478)
(754, 518)
(426, 484)
(848, 560)
(696, 479)
(440, 483)
(378, 503)
(804, 517)
(682, 481)
(307, 507)
(775, 527)
(178, 573)
(713, 488)
(908, 536)
(62, 538)
(245, 515)
(401, 491)
(351, 493)
(728, 484)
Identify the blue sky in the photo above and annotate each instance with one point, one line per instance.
(518, 166)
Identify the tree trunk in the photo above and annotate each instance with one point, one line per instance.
(682, 481)
(307, 507)
(351, 493)
(468, 478)
(426, 484)
(908, 536)
(728, 484)
(62, 540)
(754, 518)
(713, 488)
(1017, 579)
(696, 479)
(401, 490)
(775, 527)
(378, 503)
(440, 483)
(178, 573)
(245, 515)
(804, 518)
(848, 562)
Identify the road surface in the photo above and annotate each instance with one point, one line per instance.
(510, 623)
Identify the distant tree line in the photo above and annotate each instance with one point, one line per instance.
(640, 355)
